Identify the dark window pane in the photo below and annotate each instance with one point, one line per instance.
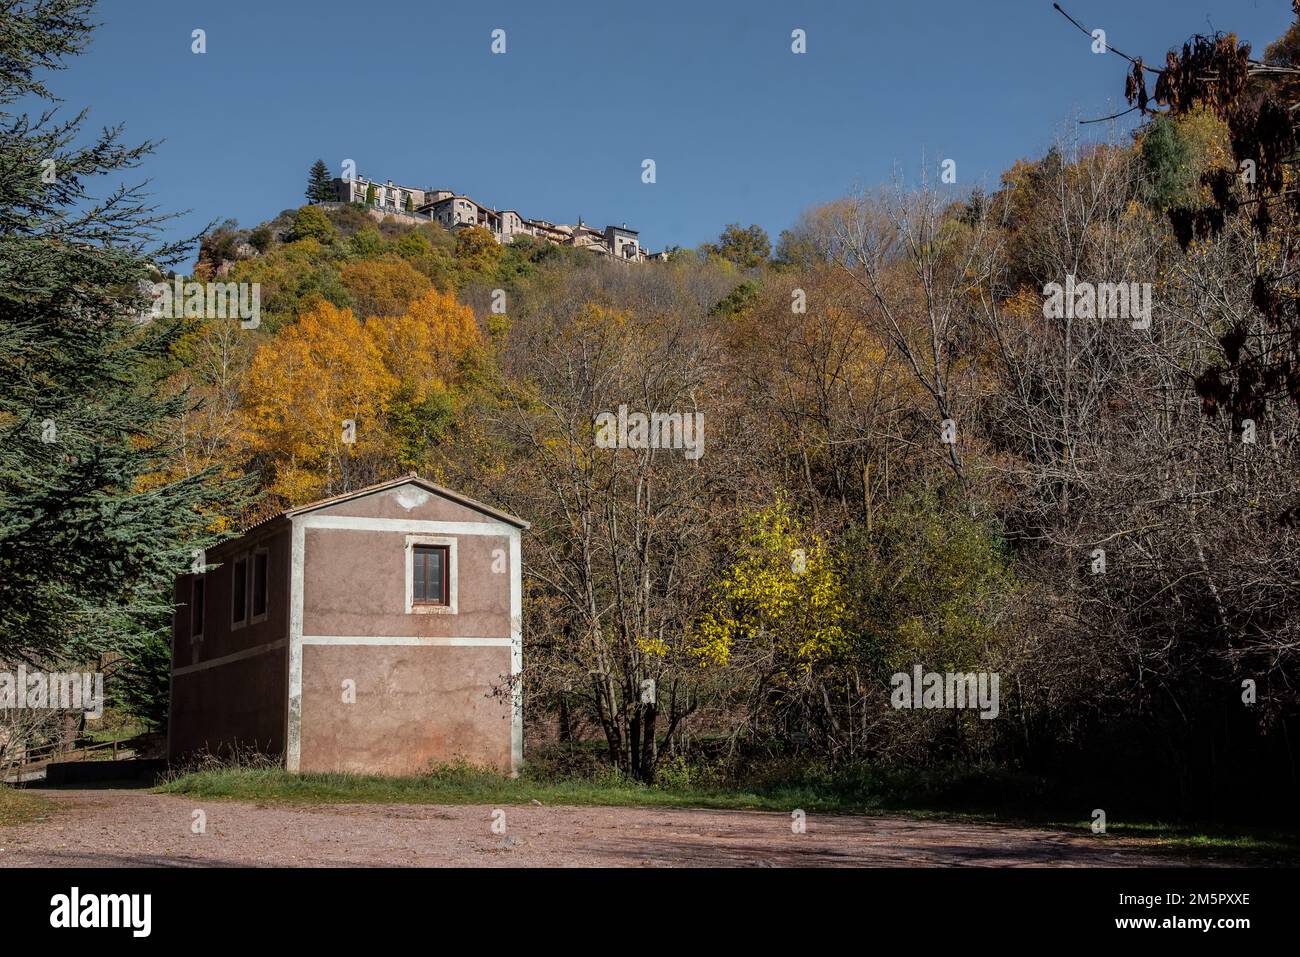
(239, 591)
(197, 609)
(259, 584)
(429, 574)
(434, 582)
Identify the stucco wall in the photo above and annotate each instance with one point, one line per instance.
(415, 707)
(355, 584)
(430, 686)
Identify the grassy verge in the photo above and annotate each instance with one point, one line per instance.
(18, 806)
(460, 785)
(467, 786)
(1262, 845)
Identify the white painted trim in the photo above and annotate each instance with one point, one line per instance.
(353, 523)
(516, 652)
(171, 677)
(429, 609)
(293, 711)
(233, 656)
(405, 640)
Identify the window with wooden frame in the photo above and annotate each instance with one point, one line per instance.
(261, 560)
(196, 608)
(430, 575)
(239, 591)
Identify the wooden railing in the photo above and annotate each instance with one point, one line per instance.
(81, 745)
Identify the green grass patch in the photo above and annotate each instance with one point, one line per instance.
(1264, 843)
(18, 806)
(909, 796)
(459, 785)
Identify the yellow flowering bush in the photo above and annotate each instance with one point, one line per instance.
(779, 604)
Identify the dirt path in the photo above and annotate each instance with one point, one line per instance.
(106, 828)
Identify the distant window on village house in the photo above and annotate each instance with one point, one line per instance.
(429, 571)
(259, 584)
(239, 591)
(196, 608)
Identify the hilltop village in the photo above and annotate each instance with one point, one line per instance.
(455, 211)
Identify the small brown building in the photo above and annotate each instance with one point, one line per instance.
(377, 631)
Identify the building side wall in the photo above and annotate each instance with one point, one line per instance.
(229, 689)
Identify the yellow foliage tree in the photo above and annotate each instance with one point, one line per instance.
(384, 287)
(779, 606)
(477, 250)
(301, 388)
(396, 378)
(423, 347)
(423, 351)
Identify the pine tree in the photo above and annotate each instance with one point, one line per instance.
(93, 527)
(320, 187)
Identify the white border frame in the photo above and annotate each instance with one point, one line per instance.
(429, 608)
(293, 664)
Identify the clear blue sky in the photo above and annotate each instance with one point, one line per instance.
(741, 129)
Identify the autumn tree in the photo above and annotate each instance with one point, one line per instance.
(429, 351)
(746, 246)
(775, 612)
(397, 379)
(477, 251)
(310, 222)
(313, 398)
(385, 286)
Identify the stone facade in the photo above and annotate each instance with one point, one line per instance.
(456, 211)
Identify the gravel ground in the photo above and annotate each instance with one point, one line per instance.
(109, 828)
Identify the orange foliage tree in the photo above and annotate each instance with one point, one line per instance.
(396, 379)
(384, 287)
(300, 391)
